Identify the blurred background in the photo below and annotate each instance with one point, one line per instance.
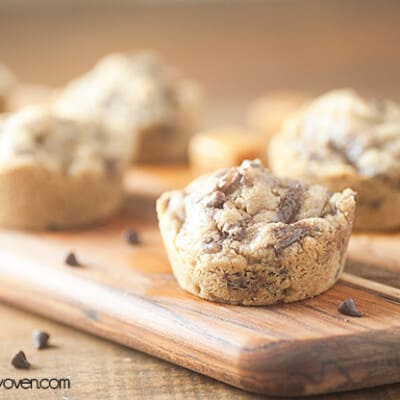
(236, 49)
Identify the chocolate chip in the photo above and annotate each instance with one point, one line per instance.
(230, 181)
(287, 235)
(211, 246)
(72, 261)
(235, 232)
(239, 233)
(347, 307)
(216, 199)
(131, 236)
(19, 361)
(289, 204)
(40, 339)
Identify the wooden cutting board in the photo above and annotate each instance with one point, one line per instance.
(127, 294)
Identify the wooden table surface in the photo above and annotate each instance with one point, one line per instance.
(103, 370)
(237, 53)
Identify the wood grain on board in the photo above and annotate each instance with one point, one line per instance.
(127, 294)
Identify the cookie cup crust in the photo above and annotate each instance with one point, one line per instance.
(36, 198)
(305, 268)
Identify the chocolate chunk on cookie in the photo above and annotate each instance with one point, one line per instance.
(286, 235)
(217, 199)
(290, 204)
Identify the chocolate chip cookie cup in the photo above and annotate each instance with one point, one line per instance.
(56, 173)
(243, 236)
(344, 140)
(141, 96)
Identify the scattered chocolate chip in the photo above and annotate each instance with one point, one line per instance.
(289, 204)
(40, 339)
(217, 199)
(19, 361)
(131, 236)
(72, 261)
(347, 307)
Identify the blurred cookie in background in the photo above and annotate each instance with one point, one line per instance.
(343, 139)
(266, 114)
(224, 147)
(139, 95)
(57, 173)
(7, 84)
